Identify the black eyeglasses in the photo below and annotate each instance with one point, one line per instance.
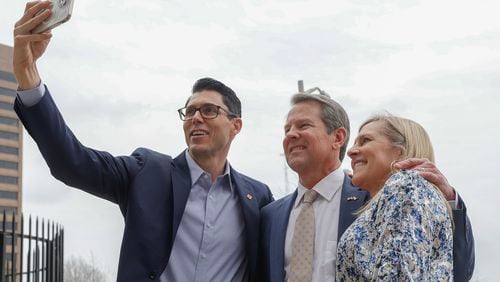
(207, 111)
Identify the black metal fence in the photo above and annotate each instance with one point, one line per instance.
(35, 254)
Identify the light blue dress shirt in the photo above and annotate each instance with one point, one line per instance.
(32, 96)
(210, 241)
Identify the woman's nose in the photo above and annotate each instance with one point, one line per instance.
(352, 151)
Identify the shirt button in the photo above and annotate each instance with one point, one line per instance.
(203, 255)
(152, 275)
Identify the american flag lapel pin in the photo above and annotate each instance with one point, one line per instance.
(352, 198)
(249, 196)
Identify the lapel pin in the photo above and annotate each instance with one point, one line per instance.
(249, 196)
(352, 198)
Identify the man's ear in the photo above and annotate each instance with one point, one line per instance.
(237, 125)
(339, 138)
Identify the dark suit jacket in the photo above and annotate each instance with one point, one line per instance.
(150, 188)
(274, 222)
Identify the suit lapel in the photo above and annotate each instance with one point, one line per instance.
(251, 215)
(352, 199)
(278, 236)
(181, 186)
(247, 198)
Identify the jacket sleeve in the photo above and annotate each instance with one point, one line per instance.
(463, 244)
(93, 171)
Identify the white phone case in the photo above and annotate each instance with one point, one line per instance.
(61, 13)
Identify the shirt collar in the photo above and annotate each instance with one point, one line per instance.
(326, 187)
(196, 171)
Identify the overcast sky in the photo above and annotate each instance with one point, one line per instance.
(119, 70)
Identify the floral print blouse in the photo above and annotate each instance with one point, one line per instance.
(404, 235)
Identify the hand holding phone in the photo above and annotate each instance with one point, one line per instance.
(61, 13)
(29, 47)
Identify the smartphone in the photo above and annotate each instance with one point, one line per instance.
(61, 12)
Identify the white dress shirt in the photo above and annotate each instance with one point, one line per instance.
(326, 211)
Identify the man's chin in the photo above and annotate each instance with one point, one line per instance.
(195, 149)
(297, 165)
(198, 150)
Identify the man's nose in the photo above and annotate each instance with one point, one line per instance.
(197, 117)
(291, 133)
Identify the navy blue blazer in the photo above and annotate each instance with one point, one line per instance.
(150, 188)
(274, 222)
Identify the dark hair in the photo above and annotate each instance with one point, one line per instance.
(229, 98)
(333, 114)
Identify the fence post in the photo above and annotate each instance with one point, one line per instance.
(28, 260)
(3, 239)
(36, 257)
(21, 249)
(13, 253)
(44, 246)
(2, 256)
(62, 253)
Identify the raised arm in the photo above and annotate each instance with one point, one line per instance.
(76, 165)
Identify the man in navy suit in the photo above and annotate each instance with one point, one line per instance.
(189, 218)
(316, 137)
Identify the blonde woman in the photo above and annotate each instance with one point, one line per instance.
(405, 232)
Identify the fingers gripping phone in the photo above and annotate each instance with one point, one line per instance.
(61, 12)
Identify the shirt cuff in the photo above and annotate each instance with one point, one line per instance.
(454, 204)
(31, 97)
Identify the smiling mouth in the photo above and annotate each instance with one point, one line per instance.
(357, 164)
(199, 133)
(297, 149)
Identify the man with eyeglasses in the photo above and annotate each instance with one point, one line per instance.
(189, 218)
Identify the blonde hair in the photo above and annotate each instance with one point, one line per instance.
(406, 134)
(410, 137)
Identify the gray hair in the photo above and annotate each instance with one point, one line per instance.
(333, 114)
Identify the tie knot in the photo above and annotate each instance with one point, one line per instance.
(310, 196)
